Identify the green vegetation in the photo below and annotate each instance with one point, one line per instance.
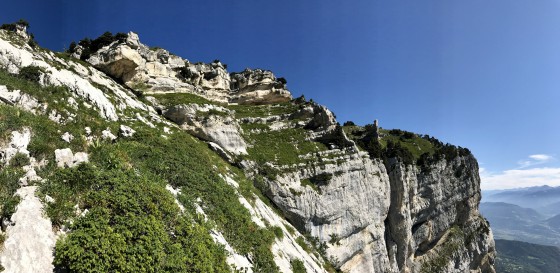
(128, 174)
(521, 257)
(31, 73)
(13, 26)
(46, 138)
(8, 185)
(408, 147)
(130, 222)
(281, 147)
(92, 46)
(172, 99)
(297, 266)
(243, 111)
(335, 239)
(278, 232)
(301, 242)
(186, 74)
(306, 182)
(455, 241)
(19, 160)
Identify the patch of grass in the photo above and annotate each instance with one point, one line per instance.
(281, 147)
(291, 230)
(278, 232)
(45, 141)
(8, 185)
(415, 144)
(248, 127)
(172, 99)
(301, 242)
(242, 111)
(307, 182)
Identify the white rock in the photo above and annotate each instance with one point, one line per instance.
(80, 157)
(126, 131)
(18, 144)
(65, 158)
(18, 98)
(67, 137)
(107, 135)
(30, 242)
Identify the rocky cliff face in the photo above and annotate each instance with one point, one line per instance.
(281, 186)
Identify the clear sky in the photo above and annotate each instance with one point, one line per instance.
(479, 74)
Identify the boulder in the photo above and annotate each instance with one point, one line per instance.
(211, 123)
(65, 158)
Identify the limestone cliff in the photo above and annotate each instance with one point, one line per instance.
(280, 186)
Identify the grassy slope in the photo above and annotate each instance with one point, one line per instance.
(131, 217)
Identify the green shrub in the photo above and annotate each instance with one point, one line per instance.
(8, 185)
(349, 123)
(297, 266)
(13, 26)
(396, 150)
(31, 73)
(92, 46)
(278, 232)
(132, 225)
(19, 160)
(335, 239)
(301, 242)
(182, 162)
(9, 206)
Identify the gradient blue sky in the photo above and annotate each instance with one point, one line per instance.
(479, 74)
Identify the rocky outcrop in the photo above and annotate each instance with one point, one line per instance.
(30, 238)
(258, 87)
(156, 70)
(211, 123)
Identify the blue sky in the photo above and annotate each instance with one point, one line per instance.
(479, 74)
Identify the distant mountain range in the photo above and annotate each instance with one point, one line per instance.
(526, 226)
(513, 222)
(544, 199)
